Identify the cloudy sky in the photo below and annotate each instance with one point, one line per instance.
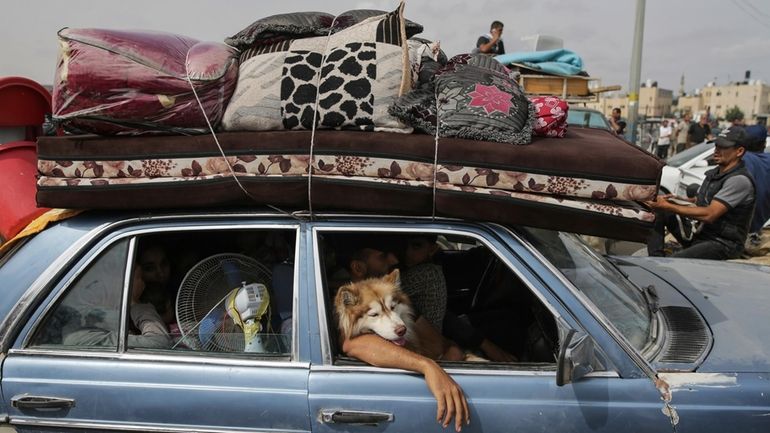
(706, 40)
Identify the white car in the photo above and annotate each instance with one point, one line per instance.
(688, 166)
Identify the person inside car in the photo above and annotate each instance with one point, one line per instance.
(724, 206)
(368, 261)
(423, 281)
(149, 330)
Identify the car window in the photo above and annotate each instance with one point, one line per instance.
(88, 316)
(611, 292)
(688, 154)
(589, 119)
(457, 288)
(224, 292)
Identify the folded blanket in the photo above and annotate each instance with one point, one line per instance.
(556, 62)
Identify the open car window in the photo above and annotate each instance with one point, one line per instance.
(223, 292)
(461, 290)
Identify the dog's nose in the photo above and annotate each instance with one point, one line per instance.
(400, 330)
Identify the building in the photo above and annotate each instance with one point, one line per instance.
(653, 102)
(752, 97)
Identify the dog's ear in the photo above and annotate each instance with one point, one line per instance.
(348, 295)
(394, 277)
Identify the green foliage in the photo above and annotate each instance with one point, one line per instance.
(733, 113)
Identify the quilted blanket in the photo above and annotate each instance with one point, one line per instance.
(134, 82)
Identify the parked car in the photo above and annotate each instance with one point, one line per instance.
(587, 118)
(695, 160)
(600, 341)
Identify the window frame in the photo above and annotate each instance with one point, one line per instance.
(327, 351)
(63, 285)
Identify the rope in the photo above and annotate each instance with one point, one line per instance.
(435, 152)
(219, 146)
(315, 114)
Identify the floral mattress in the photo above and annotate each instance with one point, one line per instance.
(591, 182)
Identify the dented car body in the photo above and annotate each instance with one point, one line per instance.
(640, 344)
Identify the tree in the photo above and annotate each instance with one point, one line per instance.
(733, 113)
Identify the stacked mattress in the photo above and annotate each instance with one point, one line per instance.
(591, 182)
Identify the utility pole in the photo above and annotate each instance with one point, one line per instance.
(636, 70)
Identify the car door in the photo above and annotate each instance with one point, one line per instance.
(502, 396)
(77, 366)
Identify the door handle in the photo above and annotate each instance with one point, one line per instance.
(27, 401)
(355, 417)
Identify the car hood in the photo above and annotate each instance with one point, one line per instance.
(733, 298)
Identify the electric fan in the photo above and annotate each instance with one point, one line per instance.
(223, 304)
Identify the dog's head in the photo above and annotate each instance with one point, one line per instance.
(375, 305)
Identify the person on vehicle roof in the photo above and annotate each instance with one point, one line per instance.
(724, 206)
(491, 43)
(369, 261)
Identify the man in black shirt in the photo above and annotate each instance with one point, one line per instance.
(698, 132)
(491, 42)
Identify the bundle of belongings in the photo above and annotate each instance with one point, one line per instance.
(441, 137)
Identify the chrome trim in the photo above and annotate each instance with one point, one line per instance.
(127, 280)
(326, 346)
(26, 421)
(257, 225)
(295, 296)
(609, 327)
(323, 325)
(169, 357)
(480, 371)
(326, 416)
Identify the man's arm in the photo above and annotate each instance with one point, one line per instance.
(376, 351)
(707, 214)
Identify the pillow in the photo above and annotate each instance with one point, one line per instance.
(276, 28)
(477, 100)
(365, 70)
(551, 116)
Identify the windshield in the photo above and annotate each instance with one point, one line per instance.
(686, 155)
(621, 302)
(587, 119)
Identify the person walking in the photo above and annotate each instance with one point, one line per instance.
(680, 132)
(664, 139)
(698, 132)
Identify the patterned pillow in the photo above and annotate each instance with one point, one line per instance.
(295, 25)
(366, 68)
(477, 100)
(551, 117)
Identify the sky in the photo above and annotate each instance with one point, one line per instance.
(706, 40)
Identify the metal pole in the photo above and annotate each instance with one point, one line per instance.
(636, 70)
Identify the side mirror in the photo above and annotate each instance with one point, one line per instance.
(576, 357)
(701, 163)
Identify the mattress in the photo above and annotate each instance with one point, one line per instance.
(589, 182)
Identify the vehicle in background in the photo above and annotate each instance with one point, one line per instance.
(587, 118)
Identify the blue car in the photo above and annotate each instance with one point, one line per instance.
(249, 341)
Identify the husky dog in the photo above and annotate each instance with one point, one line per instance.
(378, 306)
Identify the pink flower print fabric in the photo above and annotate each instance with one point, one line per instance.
(550, 116)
